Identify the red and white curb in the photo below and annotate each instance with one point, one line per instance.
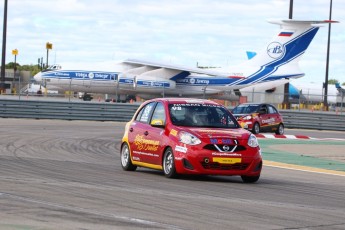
(274, 136)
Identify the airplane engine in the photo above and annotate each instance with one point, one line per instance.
(156, 79)
(153, 83)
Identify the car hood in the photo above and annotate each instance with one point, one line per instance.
(238, 115)
(220, 133)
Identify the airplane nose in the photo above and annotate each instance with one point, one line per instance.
(38, 77)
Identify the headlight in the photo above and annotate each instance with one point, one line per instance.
(253, 141)
(248, 117)
(189, 139)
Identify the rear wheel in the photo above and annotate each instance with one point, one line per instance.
(169, 164)
(126, 161)
(250, 179)
(256, 128)
(280, 129)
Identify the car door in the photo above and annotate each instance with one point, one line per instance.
(156, 134)
(138, 132)
(265, 119)
(145, 139)
(274, 116)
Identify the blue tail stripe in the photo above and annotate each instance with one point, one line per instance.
(295, 47)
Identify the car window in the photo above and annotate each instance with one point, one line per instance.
(201, 115)
(245, 109)
(144, 113)
(263, 109)
(159, 113)
(271, 109)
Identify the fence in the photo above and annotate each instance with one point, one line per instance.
(66, 110)
(43, 109)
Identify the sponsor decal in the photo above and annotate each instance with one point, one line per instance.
(271, 120)
(145, 144)
(173, 132)
(220, 141)
(146, 154)
(202, 81)
(136, 158)
(275, 50)
(178, 107)
(181, 149)
(226, 154)
(195, 81)
(153, 84)
(212, 131)
(60, 74)
(81, 75)
(227, 160)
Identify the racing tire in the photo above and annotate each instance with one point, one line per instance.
(256, 128)
(169, 164)
(280, 129)
(250, 179)
(126, 161)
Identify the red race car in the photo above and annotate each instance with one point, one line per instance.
(259, 118)
(189, 136)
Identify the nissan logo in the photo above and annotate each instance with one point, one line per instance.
(226, 148)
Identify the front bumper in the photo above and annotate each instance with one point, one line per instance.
(208, 162)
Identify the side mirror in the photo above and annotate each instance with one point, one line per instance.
(157, 123)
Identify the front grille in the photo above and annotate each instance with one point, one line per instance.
(218, 166)
(213, 147)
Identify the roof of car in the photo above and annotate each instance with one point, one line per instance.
(251, 104)
(185, 100)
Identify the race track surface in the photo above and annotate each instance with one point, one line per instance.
(67, 175)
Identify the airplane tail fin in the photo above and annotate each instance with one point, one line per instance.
(280, 57)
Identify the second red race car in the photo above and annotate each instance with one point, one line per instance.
(190, 136)
(259, 118)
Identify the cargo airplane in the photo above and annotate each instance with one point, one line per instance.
(273, 66)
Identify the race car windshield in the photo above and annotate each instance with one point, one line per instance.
(201, 115)
(245, 109)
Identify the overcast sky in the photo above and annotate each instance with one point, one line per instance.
(210, 32)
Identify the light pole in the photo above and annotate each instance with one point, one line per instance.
(15, 53)
(325, 101)
(2, 82)
(286, 104)
(49, 46)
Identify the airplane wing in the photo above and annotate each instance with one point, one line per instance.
(155, 66)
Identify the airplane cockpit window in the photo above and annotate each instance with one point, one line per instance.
(54, 67)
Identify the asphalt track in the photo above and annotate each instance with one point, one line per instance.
(67, 175)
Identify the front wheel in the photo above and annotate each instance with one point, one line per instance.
(250, 179)
(169, 164)
(280, 129)
(126, 161)
(256, 128)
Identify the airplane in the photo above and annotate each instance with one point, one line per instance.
(340, 89)
(276, 64)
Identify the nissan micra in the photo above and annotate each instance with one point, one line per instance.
(189, 136)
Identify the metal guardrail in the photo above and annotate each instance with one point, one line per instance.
(124, 112)
(313, 120)
(66, 110)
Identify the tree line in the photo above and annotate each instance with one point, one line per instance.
(16, 66)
